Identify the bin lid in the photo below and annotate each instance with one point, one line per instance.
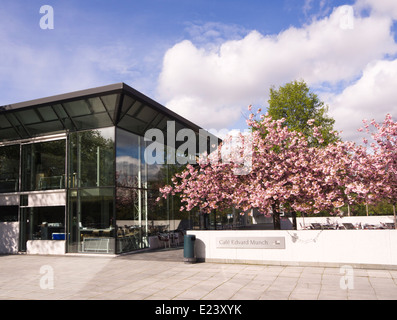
(192, 236)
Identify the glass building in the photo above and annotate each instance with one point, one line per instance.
(73, 170)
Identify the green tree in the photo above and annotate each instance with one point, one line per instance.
(297, 104)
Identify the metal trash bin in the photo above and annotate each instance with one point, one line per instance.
(188, 248)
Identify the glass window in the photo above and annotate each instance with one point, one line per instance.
(44, 223)
(131, 219)
(131, 168)
(8, 213)
(43, 166)
(91, 220)
(9, 168)
(128, 159)
(96, 208)
(156, 173)
(92, 158)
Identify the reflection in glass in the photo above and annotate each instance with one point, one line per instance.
(131, 168)
(91, 205)
(139, 217)
(131, 219)
(91, 220)
(44, 223)
(92, 158)
(9, 168)
(129, 160)
(43, 166)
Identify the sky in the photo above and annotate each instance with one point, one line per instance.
(207, 60)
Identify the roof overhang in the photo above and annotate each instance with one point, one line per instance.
(86, 109)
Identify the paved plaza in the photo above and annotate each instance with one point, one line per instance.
(162, 275)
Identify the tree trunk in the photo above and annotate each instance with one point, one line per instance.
(214, 211)
(276, 219)
(203, 221)
(294, 225)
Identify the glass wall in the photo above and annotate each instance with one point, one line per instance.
(131, 219)
(131, 192)
(138, 214)
(111, 190)
(91, 158)
(9, 168)
(91, 220)
(91, 191)
(43, 166)
(42, 223)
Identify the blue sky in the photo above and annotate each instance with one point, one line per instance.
(207, 60)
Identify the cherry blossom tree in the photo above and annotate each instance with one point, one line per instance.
(383, 181)
(303, 178)
(287, 173)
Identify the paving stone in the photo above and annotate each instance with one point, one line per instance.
(162, 275)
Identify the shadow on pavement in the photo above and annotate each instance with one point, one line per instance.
(165, 254)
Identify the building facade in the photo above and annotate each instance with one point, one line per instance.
(74, 176)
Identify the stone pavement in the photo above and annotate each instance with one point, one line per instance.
(162, 275)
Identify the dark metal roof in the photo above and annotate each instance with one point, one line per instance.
(112, 105)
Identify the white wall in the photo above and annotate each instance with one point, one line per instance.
(45, 247)
(9, 199)
(9, 235)
(45, 199)
(368, 248)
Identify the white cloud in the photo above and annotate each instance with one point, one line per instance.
(379, 7)
(371, 97)
(211, 85)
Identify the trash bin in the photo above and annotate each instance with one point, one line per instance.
(188, 248)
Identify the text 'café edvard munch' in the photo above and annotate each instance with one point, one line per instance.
(73, 173)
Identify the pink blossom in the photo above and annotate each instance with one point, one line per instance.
(287, 173)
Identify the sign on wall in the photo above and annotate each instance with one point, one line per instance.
(251, 242)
